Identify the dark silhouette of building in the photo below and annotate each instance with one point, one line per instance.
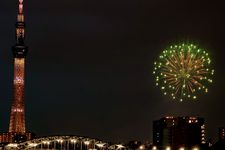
(17, 116)
(178, 132)
(222, 133)
(220, 144)
(133, 145)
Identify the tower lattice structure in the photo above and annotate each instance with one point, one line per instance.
(17, 116)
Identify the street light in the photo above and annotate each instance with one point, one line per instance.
(87, 143)
(12, 145)
(168, 148)
(100, 145)
(74, 141)
(46, 143)
(120, 146)
(60, 141)
(154, 148)
(182, 148)
(141, 147)
(33, 144)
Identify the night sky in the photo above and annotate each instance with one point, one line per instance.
(89, 66)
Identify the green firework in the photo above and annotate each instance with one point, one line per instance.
(183, 71)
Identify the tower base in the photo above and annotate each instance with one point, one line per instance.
(13, 137)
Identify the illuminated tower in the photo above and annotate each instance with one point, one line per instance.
(17, 116)
(17, 130)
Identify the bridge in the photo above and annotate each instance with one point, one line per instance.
(64, 143)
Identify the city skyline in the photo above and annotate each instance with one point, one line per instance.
(90, 70)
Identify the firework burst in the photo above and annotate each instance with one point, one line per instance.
(182, 71)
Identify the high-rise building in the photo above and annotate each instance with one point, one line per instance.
(17, 129)
(178, 132)
(220, 144)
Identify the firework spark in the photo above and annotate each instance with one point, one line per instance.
(183, 71)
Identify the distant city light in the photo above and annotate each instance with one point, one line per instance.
(46, 142)
(154, 148)
(12, 145)
(86, 142)
(100, 145)
(141, 147)
(33, 144)
(168, 148)
(59, 140)
(73, 140)
(120, 146)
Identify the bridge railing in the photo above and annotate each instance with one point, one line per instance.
(64, 143)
